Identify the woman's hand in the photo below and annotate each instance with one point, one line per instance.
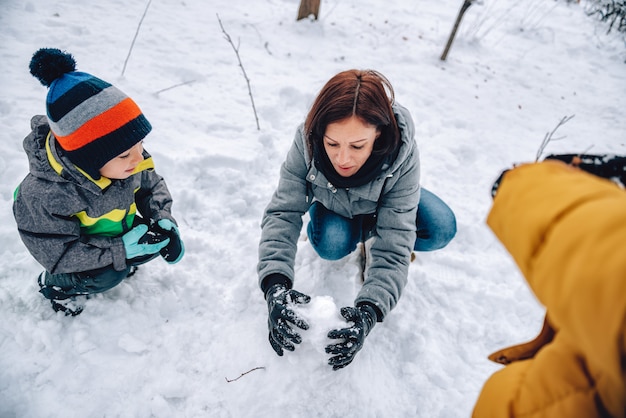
(281, 335)
(364, 318)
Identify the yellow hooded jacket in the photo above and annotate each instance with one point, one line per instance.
(566, 230)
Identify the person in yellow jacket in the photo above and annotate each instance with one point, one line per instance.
(566, 230)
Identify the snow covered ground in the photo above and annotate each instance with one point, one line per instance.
(166, 342)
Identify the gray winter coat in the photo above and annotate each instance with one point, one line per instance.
(393, 195)
(71, 223)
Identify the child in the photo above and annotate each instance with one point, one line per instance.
(564, 225)
(92, 207)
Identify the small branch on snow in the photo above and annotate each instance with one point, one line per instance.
(586, 150)
(174, 86)
(236, 49)
(549, 137)
(132, 44)
(243, 374)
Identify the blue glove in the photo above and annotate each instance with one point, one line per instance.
(174, 251)
(134, 248)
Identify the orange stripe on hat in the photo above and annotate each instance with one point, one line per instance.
(104, 123)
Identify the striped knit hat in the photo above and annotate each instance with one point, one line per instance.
(91, 120)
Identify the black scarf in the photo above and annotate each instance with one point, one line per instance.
(369, 170)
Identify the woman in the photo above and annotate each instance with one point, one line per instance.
(354, 166)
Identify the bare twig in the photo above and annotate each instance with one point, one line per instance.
(243, 374)
(135, 38)
(586, 150)
(549, 137)
(174, 86)
(236, 49)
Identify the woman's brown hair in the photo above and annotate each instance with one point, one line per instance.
(366, 94)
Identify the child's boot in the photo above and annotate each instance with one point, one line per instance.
(61, 301)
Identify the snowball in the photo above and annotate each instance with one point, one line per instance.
(322, 315)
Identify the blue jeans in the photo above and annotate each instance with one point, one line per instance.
(334, 236)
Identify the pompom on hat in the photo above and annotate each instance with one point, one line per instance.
(92, 120)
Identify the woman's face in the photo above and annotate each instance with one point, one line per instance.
(349, 143)
(123, 165)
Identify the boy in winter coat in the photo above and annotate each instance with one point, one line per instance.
(78, 210)
(565, 227)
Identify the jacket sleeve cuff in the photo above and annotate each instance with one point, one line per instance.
(272, 279)
(373, 308)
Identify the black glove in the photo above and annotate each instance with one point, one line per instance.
(364, 318)
(281, 335)
(611, 167)
(175, 250)
(496, 184)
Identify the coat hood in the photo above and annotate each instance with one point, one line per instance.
(46, 160)
(35, 148)
(565, 229)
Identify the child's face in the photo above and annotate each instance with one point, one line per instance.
(123, 165)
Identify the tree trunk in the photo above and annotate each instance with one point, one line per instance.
(307, 8)
(466, 5)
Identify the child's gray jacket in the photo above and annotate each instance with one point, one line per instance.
(72, 223)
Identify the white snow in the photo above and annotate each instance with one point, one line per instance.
(165, 342)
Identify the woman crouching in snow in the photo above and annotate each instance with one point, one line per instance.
(354, 166)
